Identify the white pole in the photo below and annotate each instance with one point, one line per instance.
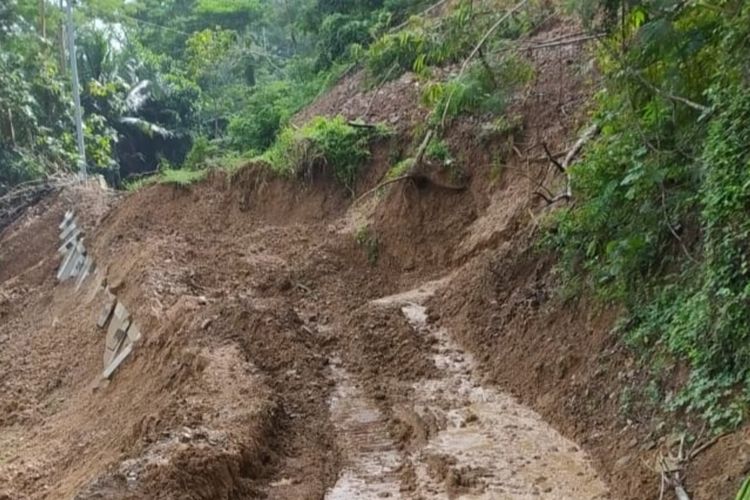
(76, 91)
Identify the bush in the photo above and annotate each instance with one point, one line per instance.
(264, 112)
(337, 33)
(484, 88)
(659, 223)
(447, 39)
(200, 153)
(438, 150)
(322, 143)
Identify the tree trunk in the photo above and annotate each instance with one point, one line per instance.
(42, 19)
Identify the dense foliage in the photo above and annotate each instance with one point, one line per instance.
(161, 77)
(661, 199)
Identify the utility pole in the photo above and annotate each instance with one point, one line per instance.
(76, 90)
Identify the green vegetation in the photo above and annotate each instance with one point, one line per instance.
(483, 89)
(744, 493)
(438, 150)
(400, 168)
(176, 177)
(171, 82)
(323, 144)
(659, 221)
(188, 83)
(426, 43)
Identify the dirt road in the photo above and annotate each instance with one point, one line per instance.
(277, 362)
(485, 445)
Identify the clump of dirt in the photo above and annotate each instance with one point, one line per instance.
(388, 344)
(458, 480)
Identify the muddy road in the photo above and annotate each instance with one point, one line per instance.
(277, 362)
(483, 443)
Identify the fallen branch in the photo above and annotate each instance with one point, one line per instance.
(670, 471)
(687, 102)
(422, 148)
(381, 185)
(15, 202)
(476, 50)
(567, 194)
(552, 158)
(410, 174)
(699, 449)
(570, 41)
(361, 124)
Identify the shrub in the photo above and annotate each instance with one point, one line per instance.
(200, 153)
(658, 224)
(393, 54)
(484, 88)
(438, 150)
(264, 112)
(323, 143)
(337, 33)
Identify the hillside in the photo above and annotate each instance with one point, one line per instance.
(442, 282)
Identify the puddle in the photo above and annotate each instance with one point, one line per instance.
(497, 448)
(371, 458)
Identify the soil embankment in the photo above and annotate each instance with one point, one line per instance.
(282, 357)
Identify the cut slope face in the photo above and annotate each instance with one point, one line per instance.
(282, 358)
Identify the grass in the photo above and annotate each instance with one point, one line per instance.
(323, 142)
(175, 177)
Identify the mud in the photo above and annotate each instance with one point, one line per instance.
(488, 445)
(281, 360)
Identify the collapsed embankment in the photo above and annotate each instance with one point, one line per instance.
(273, 342)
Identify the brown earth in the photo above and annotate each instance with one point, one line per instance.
(256, 299)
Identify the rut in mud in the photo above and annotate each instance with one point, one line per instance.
(483, 443)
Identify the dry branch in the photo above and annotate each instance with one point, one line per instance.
(15, 202)
(382, 184)
(566, 41)
(567, 194)
(476, 50)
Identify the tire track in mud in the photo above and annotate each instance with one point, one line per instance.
(486, 446)
(372, 469)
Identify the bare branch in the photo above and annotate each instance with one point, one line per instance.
(569, 41)
(551, 158)
(477, 48)
(687, 102)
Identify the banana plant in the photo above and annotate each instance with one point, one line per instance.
(744, 493)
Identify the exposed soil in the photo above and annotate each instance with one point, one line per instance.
(284, 357)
